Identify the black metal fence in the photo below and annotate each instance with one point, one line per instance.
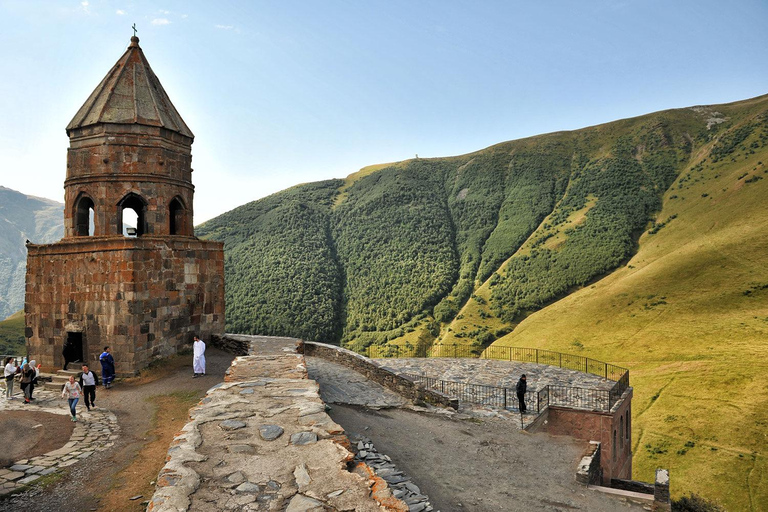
(566, 396)
(504, 398)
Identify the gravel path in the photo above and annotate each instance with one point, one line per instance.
(479, 466)
(462, 462)
(81, 486)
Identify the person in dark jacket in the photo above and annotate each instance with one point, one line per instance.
(107, 367)
(68, 352)
(521, 388)
(27, 374)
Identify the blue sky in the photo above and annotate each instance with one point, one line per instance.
(283, 92)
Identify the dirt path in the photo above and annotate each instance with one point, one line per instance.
(83, 486)
(478, 466)
(31, 433)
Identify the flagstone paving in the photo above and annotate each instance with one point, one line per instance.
(95, 431)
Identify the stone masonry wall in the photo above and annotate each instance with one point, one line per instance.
(589, 471)
(145, 297)
(397, 383)
(107, 161)
(616, 453)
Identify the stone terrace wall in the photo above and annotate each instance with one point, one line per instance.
(398, 383)
(611, 429)
(262, 441)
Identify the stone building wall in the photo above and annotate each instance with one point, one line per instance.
(145, 297)
(106, 162)
(616, 452)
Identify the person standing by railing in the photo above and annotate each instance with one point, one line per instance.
(521, 388)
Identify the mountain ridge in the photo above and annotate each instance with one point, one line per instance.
(23, 217)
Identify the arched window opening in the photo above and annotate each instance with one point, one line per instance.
(629, 418)
(613, 448)
(176, 215)
(84, 223)
(621, 432)
(131, 219)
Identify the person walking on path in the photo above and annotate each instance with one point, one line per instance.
(88, 383)
(27, 374)
(198, 357)
(36, 369)
(521, 388)
(9, 373)
(107, 367)
(72, 391)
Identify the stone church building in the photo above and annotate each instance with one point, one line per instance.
(144, 291)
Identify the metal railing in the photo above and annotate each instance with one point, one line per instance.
(504, 398)
(565, 396)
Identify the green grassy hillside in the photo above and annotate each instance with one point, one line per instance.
(12, 340)
(688, 314)
(394, 252)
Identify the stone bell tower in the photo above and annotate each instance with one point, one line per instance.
(144, 290)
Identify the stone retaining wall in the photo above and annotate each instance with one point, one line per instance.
(237, 344)
(397, 383)
(262, 440)
(590, 472)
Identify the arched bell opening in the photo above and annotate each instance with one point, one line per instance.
(177, 215)
(131, 218)
(84, 216)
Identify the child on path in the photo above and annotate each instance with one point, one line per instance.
(72, 392)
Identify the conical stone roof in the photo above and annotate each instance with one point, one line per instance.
(130, 94)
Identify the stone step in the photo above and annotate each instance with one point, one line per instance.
(53, 386)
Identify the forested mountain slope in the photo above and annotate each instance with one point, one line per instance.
(393, 254)
(23, 217)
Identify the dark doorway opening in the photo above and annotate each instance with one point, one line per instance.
(73, 348)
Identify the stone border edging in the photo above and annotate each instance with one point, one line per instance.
(96, 434)
(400, 384)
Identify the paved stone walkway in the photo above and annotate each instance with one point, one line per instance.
(340, 385)
(95, 431)
(493, 372)
(263, 441)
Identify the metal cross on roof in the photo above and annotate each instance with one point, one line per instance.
(134, 30)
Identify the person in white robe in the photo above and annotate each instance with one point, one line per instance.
(198, 357)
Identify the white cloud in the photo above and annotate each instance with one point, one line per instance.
(120, 12)
(84, 5)
(161, 21)
(164, 12)
(184, 16)
(224, 27)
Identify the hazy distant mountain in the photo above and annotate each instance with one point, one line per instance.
(23, 218)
